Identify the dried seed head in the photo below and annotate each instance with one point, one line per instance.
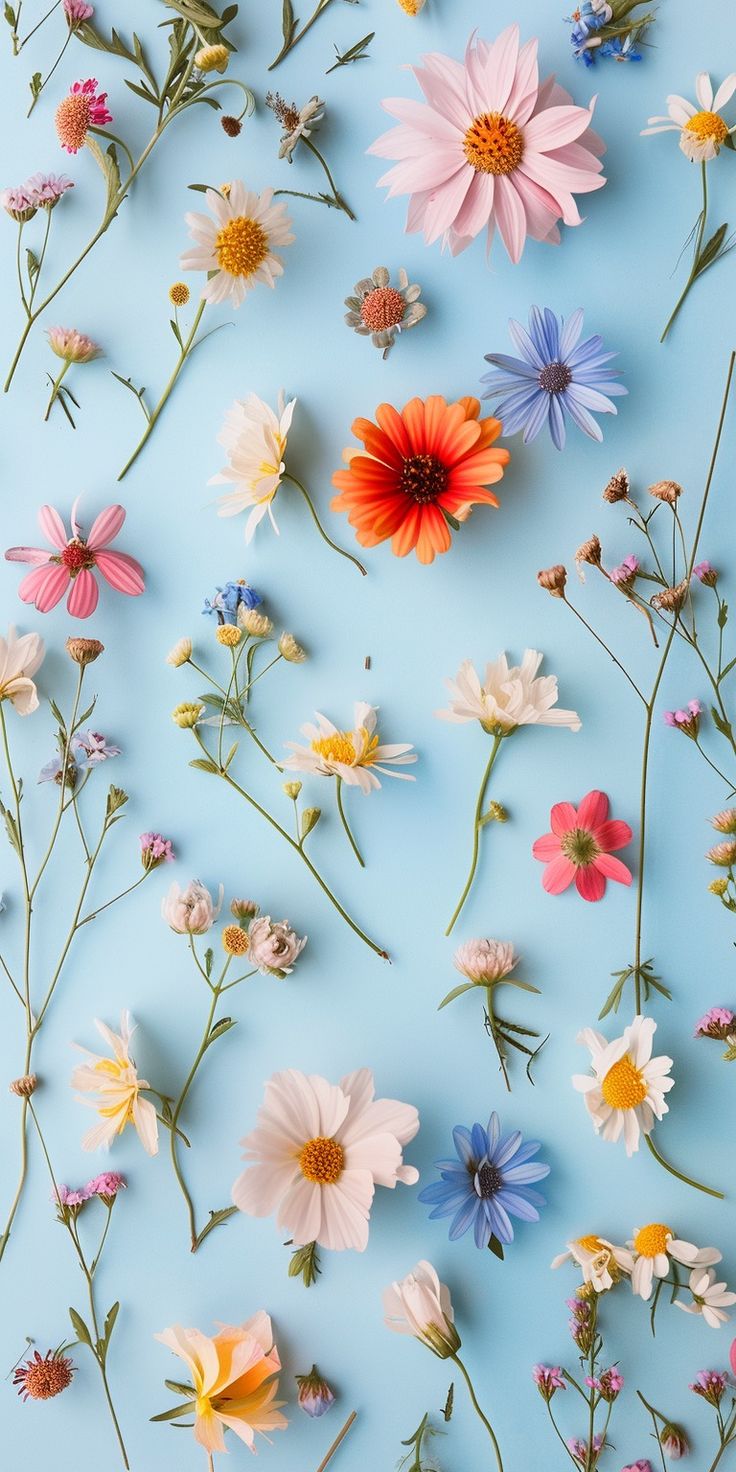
(670, 600)
(618, 487)
(230, 125)
(666, 490)
(84, 651)
(553, 580)
(590, 551)
(25, 1086)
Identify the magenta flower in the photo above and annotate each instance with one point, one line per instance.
(686, 719)
(626, 571)
(66, 1196)
(641, 1466)
(70, 565)
(579, 1450)
(155, 850)
(717, 1022)
(82, 108)
(609, 1383)
(548, 1379)
(580, 848)
(711, 1385)
(706, 573)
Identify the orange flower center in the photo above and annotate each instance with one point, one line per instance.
(624, 1085)
(423, 477)
(72, 120)
(383, 308)
(580, 847)
(235, 941)
(241, 246)
(75, 556)
(707, 126)
(322, 1161)
(652, 1241)
(493, 144)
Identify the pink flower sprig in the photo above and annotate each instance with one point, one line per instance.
(72, 563)
(686, 719)
(580, 848)
(155, 850)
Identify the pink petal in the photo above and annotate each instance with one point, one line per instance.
(555, 127)
(82, 600)
(524, 93)
(590, 882)
(613, 834)
(612, 868)
(52, 527)
(122, 572)
(476, 207)
(546, 847)
(423, 120)
(509, 211)
(443, 207)
(558, 875)
(540, 208)
(105, 527)
(45, 586)
(562, 818)
(27, 554)
(593, 810)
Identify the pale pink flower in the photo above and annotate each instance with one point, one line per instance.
(72, 346)
(71, 563)
(190, 911)
(717, 1022)
(273, 946)
(626, 571)
(155, 850)
(107, 1185)
(490, 146)
(48, 189)
(77, 11)
(19, 202)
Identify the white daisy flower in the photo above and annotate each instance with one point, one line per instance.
(509, 696)
(601, 1263)
(254, 438)
(702, 129)
(118, 1088)
(709, 1298)
(353, 756)
(654, 1247)
(237, 247)
(20, 657)
(626, 1093)
(317, 1154)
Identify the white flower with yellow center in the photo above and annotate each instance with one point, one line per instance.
(118, 1090)
(353, 756)
(509, 696)
(654, 1247)
(702, 130)
(237, 247)
(709, 1298)
(626, 1092)
(601, 1263)
(254, 439)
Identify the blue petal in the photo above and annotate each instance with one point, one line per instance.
(480, 1142)
(557, 422)
(580, 415)
(462, 1142)
(464, 1218)
(570, 334)
(481, 1230)
(517, 1206)
(502, 1225)
(519, 1175)
(537, 417)
(518, 366)
(525, 345)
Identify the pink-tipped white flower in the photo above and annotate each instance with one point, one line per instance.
(73, 346)
(70, 566)
(117, 1091)
(626, 1092)
(191, 911)
(490, 146)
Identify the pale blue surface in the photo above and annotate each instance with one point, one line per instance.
(343, 1008)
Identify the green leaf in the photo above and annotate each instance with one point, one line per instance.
(496, 1247)
(721, 723)
(613, 1000)
(109, 1326)
(220, 1028)
(179, 1387)
(10, 16)
(217, 1219)
(187, 1405)
(449, 1402)
(35, 84)
(304, 1264)
(209, 957)
(80, 1328)
(12, 831)
(723, 615)
(198, 13)
(288, 22)
(230, 756)
(457, 991)
(204, 766)
(113, 173)
(175, 329)
(142, 91)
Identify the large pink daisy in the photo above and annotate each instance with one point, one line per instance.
(490, 146)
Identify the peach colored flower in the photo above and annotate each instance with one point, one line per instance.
(233, 1378)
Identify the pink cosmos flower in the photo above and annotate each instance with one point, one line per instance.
(580, 847)
(70, 564)
(490, 146)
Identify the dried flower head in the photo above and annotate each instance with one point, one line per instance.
(72, 346)
(83, 108)
(179, 294)
(230, 125)
(671, 600)
(292, 790)
(187, 714)
(666, 490)
(25, 1086)
(553, 580)
(244, 909)
(723, 854)
(381, 311)
(76, 12)
(180, 654)
(43, 1377)
(296, 122)
(228, 634)
(625, 574)
(718, 886)
(590, 551)
(412, 7)
(212, 58)
(235, 941)
(485, 961)
(84, 651)
(155, 850)
(717, 1022)
(258, 625)
(725, 821)
(290, 650)
(618, 487)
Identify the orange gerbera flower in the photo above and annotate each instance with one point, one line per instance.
(422, 471)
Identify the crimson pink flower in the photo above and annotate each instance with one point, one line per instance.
(72, 561)
(83, 108)
(580, 847)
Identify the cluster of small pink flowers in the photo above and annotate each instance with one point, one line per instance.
(686, 720)
(580, 1323)
(626, 571)
(579, 1449)
(548, 1379)
(717, 1022)
(641, 1466)
(77, 11)
(706, 573)
(105, 1186)
(711, 1385)
(609, 1383)
(155, 850)
(40, 191)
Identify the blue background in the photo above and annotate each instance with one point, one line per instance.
(343, 1008)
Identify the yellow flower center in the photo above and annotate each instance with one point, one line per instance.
(322, 1161)
(624, 1085)
(235, 941)
(651, 1241)
(707, 126)
(493, 144)
(591, 1244)
(241, 246)
(340, 747)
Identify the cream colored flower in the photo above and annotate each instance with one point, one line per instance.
(654, 1247)
(258, 625)
(273, 946)
(237, 247)
(180, 654)
(702, 129)
(289, 650)
(627, 1090)
(118, 1090)
(601, 1263)
(20, 657)
(191, 911)
(420, 1305)
(509, 696)
(709, 1298)
(485, 961)
(254, 439)
(354, 756)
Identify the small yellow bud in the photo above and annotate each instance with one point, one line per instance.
(179, 294)
(180, 654)
(212, 58)
(292, 790)
(310, 819)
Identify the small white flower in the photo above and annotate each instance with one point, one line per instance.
(510, 696)
(254, 439)
(485, 961)
(601, 1263)
(626, 1092)
(236, 247)
(702, 130)
(180, 654)
(709, 1298)
(420, 1305)
(190, 911)
(654, 1247)
(354, 756)
(20, 657)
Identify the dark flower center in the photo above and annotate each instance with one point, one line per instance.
(555, 377)
(488, 1180)
(423, 477)
(75, 556)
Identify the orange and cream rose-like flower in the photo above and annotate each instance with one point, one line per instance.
(626, 1092)
(234, 1381)
(118, 1091)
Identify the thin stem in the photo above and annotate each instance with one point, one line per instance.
(50, 74)
(476, 830)
(339, 201)
(604, 646)
(288, 476)
(696, 253)
(122, 894)
(299, 35)
(656, 1418)
(561, 1438)
(729, 783)
(156, 413)
(177, 1111)
(55, 390)
(457, 1360)
(643, 814)
(37, 26)
(490, 1014)
(345, 824)
(709, 1191)
(337, 1442)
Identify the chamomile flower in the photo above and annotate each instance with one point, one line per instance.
(237, 247)
(626, 1091)
(709, 1298)
(654, 1246)
(702, 130)
(602, 1264)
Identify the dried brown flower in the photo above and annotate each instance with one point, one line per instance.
(666, 490)
(230, 125)
(84, 651)
(670, 600)
(618, 487)
(553, 580)
(24, 1086)
(41, 1378)
(590, 551)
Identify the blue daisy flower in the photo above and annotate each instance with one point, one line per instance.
(621, 48)
(229, 598)
(488, 1183)
(557, 375)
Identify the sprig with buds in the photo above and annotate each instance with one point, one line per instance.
(358, 52)
(293, 32)
(250, 939)
(669, 1436)
(80, 753)
(198, 47)
(597, 1386)
(297, 126)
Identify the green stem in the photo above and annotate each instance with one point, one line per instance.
(476, 830)
(336, 195)
(37, 26)
(47, 78)
(288, 476)
(696, 253)
(156, 414)
(177, 1111)
(604, 646)
(461, 1367)
(345, 824)
(299, 35)
(709, 1191)
(55, 390)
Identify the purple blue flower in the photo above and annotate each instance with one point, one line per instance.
(489, 1183)
(229, 598)
(621, 48)
(556, 376)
